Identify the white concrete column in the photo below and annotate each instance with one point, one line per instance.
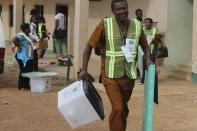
(18, 15)
(194, 48)
(5, 18)
(80, 32)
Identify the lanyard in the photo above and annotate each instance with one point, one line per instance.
(124, 35)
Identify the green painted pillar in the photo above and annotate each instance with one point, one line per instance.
(148, 99)
(194, 77)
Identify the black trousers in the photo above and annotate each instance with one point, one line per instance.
(35, 60)
(42, 52)
(144, 69)
(23, 82)
(156, 97)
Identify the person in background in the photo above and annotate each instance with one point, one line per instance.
(33, 13)
(34, 37)
(119, 37)
(24, 55)
(151, 34)
(153, 38)
(60, 35)
(139, 15)
(43, 36)
(141, 62)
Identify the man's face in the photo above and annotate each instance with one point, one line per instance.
(27, 30)
(139, 15)
(120, 11)
(148, 24)
(34, 20)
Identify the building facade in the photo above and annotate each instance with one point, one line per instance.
(177, 19)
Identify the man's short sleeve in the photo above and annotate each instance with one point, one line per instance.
(97, 35)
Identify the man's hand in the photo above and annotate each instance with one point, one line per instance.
(82, 75)
(148, 62)
(86, 56)
(154, 41)
(13, 48)
(159, 36)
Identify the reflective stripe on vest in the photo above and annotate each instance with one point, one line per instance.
(40, 29)
(115, 64)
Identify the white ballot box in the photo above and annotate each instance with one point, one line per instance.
(80, 104)
(40, 84)
(40, 81)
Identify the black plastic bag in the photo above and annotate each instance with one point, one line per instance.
(60, 34)
(162, 52)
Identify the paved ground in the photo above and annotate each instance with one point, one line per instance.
(26, 111)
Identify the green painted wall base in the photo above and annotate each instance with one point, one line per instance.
(194, 77)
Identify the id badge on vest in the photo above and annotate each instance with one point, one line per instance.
(149, 39)
(127, 49)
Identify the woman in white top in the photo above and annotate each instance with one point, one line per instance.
(60, 35)
(35, 39)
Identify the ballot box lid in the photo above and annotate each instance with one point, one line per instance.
(94, 98)
(39, 74)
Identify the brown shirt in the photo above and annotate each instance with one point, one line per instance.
(98, 37)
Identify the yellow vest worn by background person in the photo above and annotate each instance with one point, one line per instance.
(115, 63)
(150, 35)
(40, 32)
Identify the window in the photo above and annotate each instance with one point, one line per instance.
(40, 9)
(11, 15)
(64, 10)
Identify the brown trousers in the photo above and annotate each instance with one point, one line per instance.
(119, 92)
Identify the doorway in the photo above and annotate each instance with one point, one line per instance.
(64, 9)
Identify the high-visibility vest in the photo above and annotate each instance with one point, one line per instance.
(115, 64)
(40, 32)
(150, 34)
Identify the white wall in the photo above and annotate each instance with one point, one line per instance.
(179, 35)
(5, 18)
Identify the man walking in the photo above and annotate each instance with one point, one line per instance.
(153, 38)
(118, 37)
(141, 63)
(35, 39)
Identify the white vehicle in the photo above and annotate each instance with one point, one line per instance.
(2, 47)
